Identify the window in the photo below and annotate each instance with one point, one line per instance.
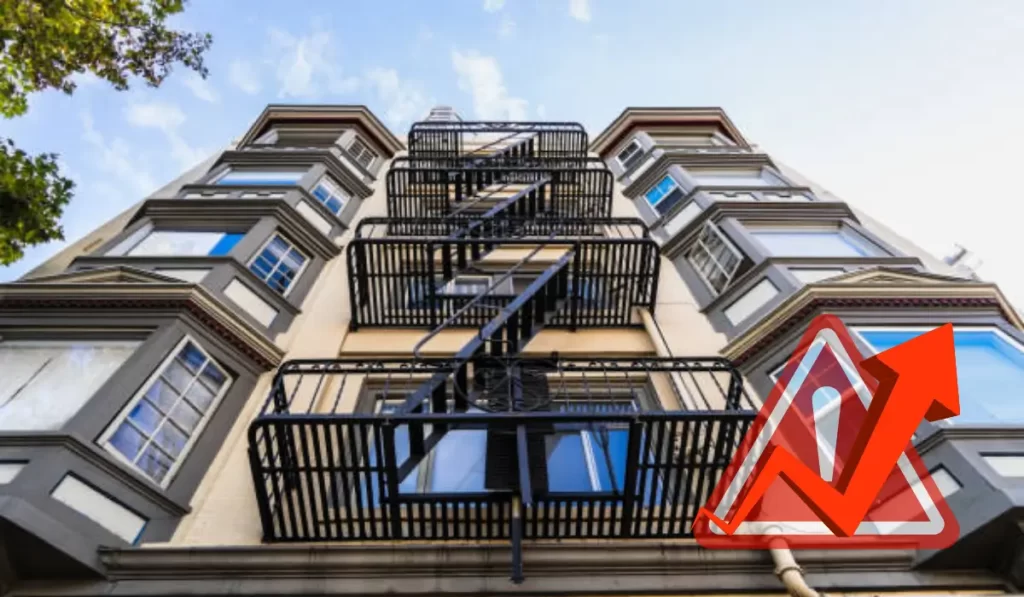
(715, 258)
(990, 371)
(467, 285)
(362, 153)
(630, 155)
(278, 264)
(810, 275)
(664, 195)
(795, 242)
(178, 242)
(44, 383)
(261, 177)
(732, 178)
(330, 194)
(159, 427)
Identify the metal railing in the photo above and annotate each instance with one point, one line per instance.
(437, 140)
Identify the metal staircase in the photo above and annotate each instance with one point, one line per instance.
(521, 212)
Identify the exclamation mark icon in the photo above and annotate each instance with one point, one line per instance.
(825, 402)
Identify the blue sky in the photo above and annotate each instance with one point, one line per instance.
(910, 110)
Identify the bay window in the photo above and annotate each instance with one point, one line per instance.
(330, 194)
(813, 242)
(733, 178)
(630, 155)
(44, 383)
(178, 243)
(260, 177)
(158, 428)
(715, 258)
(989, 370)
(362, 153)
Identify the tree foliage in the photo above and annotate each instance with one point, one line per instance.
(43, 45)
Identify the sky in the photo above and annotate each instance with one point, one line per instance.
(912, 111)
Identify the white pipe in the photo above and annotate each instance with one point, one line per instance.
(786, 568)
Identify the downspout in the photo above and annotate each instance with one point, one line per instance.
(786, 568)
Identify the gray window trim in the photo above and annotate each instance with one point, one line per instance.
(729, 275)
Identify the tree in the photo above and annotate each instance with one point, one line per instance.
(43, 44)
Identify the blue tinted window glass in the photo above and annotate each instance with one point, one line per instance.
(989, 372)
(610, 453)
(810, 243)
(460, 462)
(567, 463)
(659, 191)
(226, 243)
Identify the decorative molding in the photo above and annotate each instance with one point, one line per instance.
(98, 458)
(360, 115)
(856, 290)
(147, 296)
(634, 117)
(988, 433)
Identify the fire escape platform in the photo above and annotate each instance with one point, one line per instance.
(608, 342)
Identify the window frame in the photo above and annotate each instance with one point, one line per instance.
(217, 178)
(675, 182)
(639, 153)
(122, 415)
(770, 177)
(366, 151)
(259, 253)
(448, 287)
(730, 277)
(139, 236)
(867, 248)
(338, 192)
(962, 328)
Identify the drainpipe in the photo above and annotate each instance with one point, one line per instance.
(786, 568)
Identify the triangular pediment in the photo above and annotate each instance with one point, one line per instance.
(105, 275)
(885, 275)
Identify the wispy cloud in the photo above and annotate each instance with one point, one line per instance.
(403, 100)
(167, 118)
(115, 158)
(307, 67)
(580, 10)
(200, 87)
(243, 75)
(493, 5)
(481, 77)
(507, 27)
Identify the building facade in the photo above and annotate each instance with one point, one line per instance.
(482, 358)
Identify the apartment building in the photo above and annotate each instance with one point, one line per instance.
(478, 358)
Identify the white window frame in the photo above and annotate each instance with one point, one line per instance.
(294, 247)
(851, 236)
(766, 174)
(667, 193)
(634, 142)
(728, 243)
(334, 189)
(104, 440)
(217, 178)
(366, 150)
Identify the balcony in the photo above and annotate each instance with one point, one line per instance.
(563, 188)
(496, 141)
(602, 269)
(512, 449)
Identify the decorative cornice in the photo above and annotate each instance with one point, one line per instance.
(119, 298)
(249, 211)
(826, 296)
(989, 433)
(631, 118)
(89, 452)
(361, 115)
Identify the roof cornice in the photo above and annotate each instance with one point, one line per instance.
(145, 296)
(361, 114)
(633, 117)
(829, 296)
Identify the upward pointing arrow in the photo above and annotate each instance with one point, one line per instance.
(916, 380)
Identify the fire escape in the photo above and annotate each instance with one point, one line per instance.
(495, 232)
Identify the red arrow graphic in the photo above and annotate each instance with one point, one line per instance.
(917, 380)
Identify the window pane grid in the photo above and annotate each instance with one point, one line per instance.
(158, 429)
(714, 258)
(278, 264)
(331, 195)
